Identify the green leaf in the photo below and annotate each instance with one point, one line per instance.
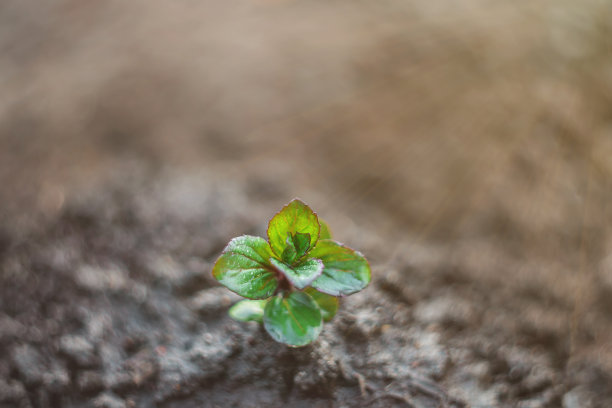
(243, 267)
(298, 245)
(248, 310)
(325, 231)
(296, 217)
(294, 319)
(302, 274)
(289, 253)
(301, 242)
(327, 303)
(345, 270)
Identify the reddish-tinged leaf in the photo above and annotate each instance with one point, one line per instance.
(244, 268)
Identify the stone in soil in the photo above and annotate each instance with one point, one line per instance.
(142, 367)
(29, 363)
(214, 301)
(319, 371)
(578, 397)
(12, 393)
(90, 381)
(98, 278)
(178, 375)
(210, 351)
(10, 329)
(108, 400)
(36, 370)
(448, 309)
(79, 350)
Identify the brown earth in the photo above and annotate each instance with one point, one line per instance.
(466, 149)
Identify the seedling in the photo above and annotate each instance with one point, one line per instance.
(292, 281)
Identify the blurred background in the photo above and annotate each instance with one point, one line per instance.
(480, 127)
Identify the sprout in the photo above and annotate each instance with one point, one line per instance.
(293, 280)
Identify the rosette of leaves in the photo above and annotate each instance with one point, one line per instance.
(293, 280)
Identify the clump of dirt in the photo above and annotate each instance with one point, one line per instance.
(111, 304)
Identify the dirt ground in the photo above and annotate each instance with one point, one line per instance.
(465, 149)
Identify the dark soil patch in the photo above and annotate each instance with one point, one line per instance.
(112, 305)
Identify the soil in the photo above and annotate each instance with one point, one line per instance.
(464, 147)
(111, 304)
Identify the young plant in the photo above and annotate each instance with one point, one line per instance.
(293, 280)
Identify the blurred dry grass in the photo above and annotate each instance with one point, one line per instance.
(484, 124)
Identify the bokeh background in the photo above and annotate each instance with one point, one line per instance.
(484, 127)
